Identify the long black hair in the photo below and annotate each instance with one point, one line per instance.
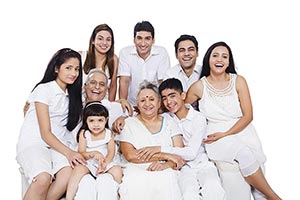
(205, 64)
(74, 90)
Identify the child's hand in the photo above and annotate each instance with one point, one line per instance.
(102, 167)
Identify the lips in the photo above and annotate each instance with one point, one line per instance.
(219, 65)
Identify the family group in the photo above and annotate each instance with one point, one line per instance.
(104, 127)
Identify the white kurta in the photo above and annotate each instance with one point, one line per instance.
(138, 183)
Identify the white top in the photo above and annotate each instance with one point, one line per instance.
(151, 69)
(193, 128)
(53, 96)
(136, 133)
(222, 110)
(97, 145)
(177, 72)
(114, 110)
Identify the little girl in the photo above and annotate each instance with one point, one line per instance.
(97, 146)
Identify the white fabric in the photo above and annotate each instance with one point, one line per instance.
(222, 109)
(177, 72)
(151, 69)
(114, 109)
(222, 112)
(52, 95)
(201, 183)
(233, 182)
(193, 128)
(100, 146)
(30, 144)
(198, 172)
(137, 182)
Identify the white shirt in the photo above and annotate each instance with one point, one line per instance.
(193, 128)
(177, 72)
(151, 69)
(58, 101)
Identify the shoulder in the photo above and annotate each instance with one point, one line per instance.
(159, 49)
(241, 82)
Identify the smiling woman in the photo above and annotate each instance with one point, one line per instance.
(224, 99)
(263, 35)
(54, 109)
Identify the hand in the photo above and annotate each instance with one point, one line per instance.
(118, 124)
(25, 108)
(157, 166)
(177, 160)
(102, 167)
(125, 106)
(75, 159)
(98, 156)
(214, 137)
(146, 153)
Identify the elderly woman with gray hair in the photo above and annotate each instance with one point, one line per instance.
(156, 178)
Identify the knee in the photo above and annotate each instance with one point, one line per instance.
(117, 173)
(42, 182)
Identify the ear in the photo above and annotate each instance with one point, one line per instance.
(183, 95)
(56, 70)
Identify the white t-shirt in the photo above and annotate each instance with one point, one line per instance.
(58, 101)
(177, 72)
(151, 69)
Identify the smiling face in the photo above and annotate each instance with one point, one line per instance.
(187, 54)
(148, 102)
(102, 42)
(143, 42)
(172, 99)
(219, 59)
(96, 87)
(96, 124)
(67, 73)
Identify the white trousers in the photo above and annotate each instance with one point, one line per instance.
(102, 188)
(201, 183)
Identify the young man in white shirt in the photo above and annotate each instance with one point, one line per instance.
(199, 176)
(187, 70)
(142, 61)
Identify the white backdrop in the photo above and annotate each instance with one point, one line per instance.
(263, 35)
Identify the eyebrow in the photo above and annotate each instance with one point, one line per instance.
(171, 93)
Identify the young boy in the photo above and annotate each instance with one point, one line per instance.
(199, 176)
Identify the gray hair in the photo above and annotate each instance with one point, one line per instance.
(149, 85)
(95, 70)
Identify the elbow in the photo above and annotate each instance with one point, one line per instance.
(130, 157)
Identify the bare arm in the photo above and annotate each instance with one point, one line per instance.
(246, 107)
(111, 148)
(123, 86)
(42, 111)
(194, 93)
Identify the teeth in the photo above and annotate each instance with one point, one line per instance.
(186, 59)
(219, 65)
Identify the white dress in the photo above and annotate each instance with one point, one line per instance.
(222, 109)
(98, 145)
(137, 182)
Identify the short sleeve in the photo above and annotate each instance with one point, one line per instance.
(123, 68)
(40, 94)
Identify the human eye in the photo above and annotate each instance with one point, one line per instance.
(93, 82)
